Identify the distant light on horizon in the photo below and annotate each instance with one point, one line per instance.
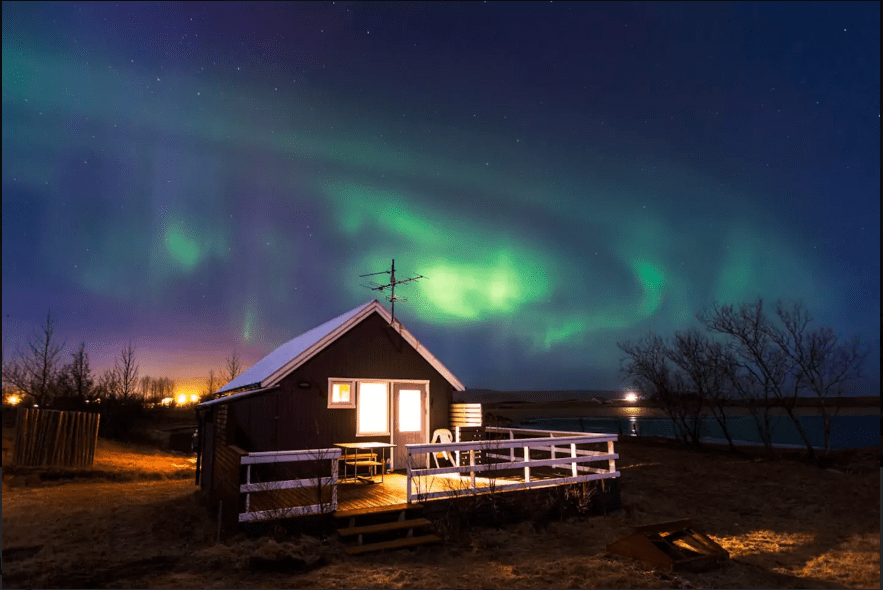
(631, 397)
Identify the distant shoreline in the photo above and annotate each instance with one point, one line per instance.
(521, 410)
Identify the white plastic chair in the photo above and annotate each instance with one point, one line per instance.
(442, 436)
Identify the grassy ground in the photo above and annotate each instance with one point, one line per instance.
(786, 524)
(113, 461)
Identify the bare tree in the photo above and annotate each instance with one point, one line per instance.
(232, 369)
(106, 386)
(210, 385)
(826, 366)
(647, 364)
(761, 353)
(35, 372)
(705, 364)
(167, 388)
(144, 385)
(125, 374)
(75, 379)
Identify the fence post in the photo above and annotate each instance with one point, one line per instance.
(96, 422)
(526, 467)
(573, 455)
(553, 446)
(247, 481)
(511, 449)
(472, 464)
(612, 462)
(334, 467)
(408, 461)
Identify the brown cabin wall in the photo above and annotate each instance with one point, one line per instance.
(226, 467)
(370, 350)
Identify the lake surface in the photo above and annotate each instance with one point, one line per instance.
(847, 431)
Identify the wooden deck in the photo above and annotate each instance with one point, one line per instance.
(393, 490)
(357, 496)
(542, 459)
(360, 496)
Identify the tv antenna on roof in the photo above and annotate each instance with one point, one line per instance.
(391, 286)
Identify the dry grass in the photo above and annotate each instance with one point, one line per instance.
(114, 460)
(786, 524)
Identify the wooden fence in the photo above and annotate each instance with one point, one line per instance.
(54, 438)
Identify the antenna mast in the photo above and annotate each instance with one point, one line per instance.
(391, 286)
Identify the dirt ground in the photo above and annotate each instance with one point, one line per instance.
(786, 524)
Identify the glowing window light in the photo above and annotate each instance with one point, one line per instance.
(340, 393)
(373, 412)
(409, 410)
(194, 398)
(166, 401)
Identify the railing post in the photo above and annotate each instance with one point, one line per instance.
(511, 449)
(611, 462)
(526, 467)
(553, 446)
(472, 464)
(573, 455)
(247, 481)
(334, 467)
(408, 461)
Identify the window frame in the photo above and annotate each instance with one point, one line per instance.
(350, 405)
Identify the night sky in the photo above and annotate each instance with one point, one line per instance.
(201, 177)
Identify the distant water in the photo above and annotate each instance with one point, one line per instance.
(490, 396)
(847, 431)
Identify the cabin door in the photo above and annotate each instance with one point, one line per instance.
(410, 420)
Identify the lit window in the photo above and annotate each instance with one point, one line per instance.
(409, 410)
(340, 394)
(373, 409)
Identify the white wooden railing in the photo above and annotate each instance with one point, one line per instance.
(249, 487)
(514, 453)
(555, 448)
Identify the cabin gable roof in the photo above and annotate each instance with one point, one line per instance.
(271, 369)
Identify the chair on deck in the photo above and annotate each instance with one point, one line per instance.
(442, 436)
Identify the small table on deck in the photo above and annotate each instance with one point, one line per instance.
(355, 461)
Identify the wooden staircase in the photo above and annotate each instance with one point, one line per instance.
(383, 527)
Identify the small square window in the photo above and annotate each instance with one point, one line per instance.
(341, 394)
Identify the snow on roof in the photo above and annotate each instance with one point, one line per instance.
(271, 363)
(247, 392)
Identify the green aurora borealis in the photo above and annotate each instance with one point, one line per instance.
(197, 200)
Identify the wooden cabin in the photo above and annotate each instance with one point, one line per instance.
(358, 377)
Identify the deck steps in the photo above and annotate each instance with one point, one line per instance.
(388, 527)
(394, 544)
(383, 527)
(377, 510)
